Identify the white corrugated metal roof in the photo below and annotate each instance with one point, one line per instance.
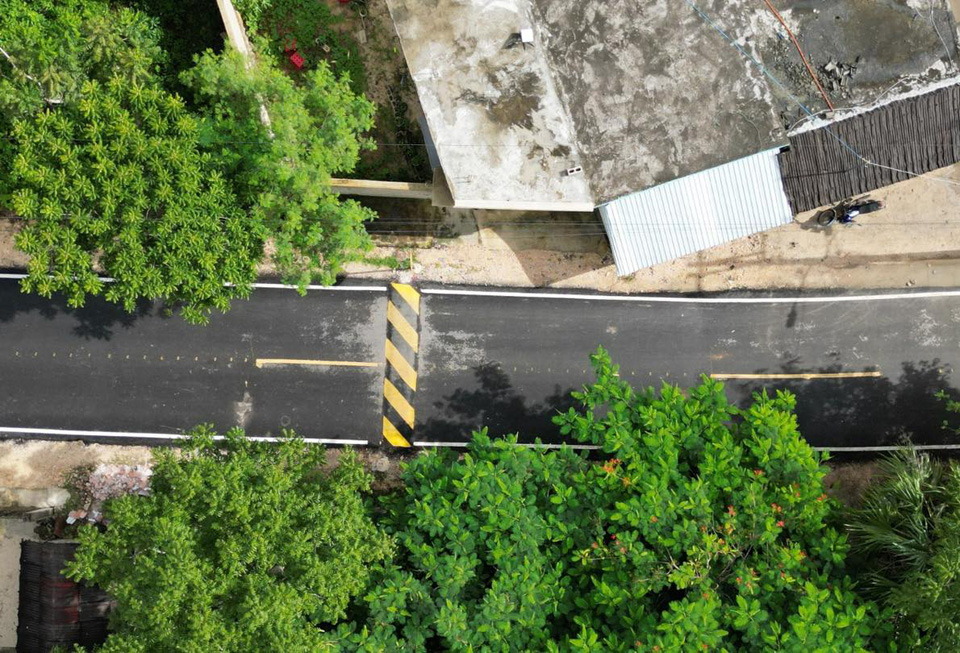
(695, 212)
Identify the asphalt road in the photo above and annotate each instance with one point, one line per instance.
(506, 361)
(101, 369)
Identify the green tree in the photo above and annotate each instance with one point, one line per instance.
(240, 546)
(907, 536)
(704, 528)
(117, 179)
(49, 49)
(282, 170)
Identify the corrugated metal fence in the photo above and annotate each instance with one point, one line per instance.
(916, 134)
(55, 611)
(696, 212)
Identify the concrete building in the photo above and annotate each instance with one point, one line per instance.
(668, 116)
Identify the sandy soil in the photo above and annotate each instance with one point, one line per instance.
(846, 482)
(38, 464)
(913, 241)
(10, 257)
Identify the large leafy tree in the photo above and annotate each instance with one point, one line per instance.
(702, 527)
(49, 49)
(240, 546)
(116, 179)
(907, 536)
(282, 167)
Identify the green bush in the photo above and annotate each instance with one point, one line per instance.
(704, 528)
(241, 546)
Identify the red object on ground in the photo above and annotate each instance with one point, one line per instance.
(296, 60)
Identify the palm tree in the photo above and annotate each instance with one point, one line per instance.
(907, 537)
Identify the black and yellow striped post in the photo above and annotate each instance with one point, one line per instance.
(400, 377)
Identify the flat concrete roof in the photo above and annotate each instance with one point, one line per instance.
(638, 93)
(502, 134)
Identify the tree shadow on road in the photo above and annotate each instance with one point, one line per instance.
(95, 321)
(497, 405)
(867, 411)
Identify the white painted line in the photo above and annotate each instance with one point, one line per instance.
(589, 447)
(945, 447)
(18, 430)
(153, 436)
(18, 275)
(807, 376)
(692, 300)
(284, 286)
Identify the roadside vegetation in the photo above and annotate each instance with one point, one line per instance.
(133, 147)
(695, 525)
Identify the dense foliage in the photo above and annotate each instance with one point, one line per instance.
(907, 534)
(282, 169)
(117, 178)
(50, 49)
(705, 528)
(241, 546)
(113, 173)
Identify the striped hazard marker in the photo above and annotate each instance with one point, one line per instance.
(400, 377)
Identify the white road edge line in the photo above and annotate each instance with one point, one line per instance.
(152, 436)
(891, 447)
(18, 275)
(694, 300)
(168, 436)
(590, 447)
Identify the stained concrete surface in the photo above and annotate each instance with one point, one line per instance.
(912, 42)
(501, 131)
(640, 93)
(655, 93)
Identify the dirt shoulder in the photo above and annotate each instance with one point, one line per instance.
(914, 241)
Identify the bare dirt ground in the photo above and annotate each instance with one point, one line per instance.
(39, 464)
(913, 241)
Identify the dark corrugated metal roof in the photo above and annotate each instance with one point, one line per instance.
(917, 134)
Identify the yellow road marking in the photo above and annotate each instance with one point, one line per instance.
(401, 325)
(400, 364)
(805, 376)
(299, 361)
(409, 294)
(392, 435)
(398, 401)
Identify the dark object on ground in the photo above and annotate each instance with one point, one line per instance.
(847, 210)
(55, 611)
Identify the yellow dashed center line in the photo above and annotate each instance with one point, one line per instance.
(261, 362)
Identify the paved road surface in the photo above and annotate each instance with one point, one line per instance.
(101, 369)
(505, 361)
(512, 361)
